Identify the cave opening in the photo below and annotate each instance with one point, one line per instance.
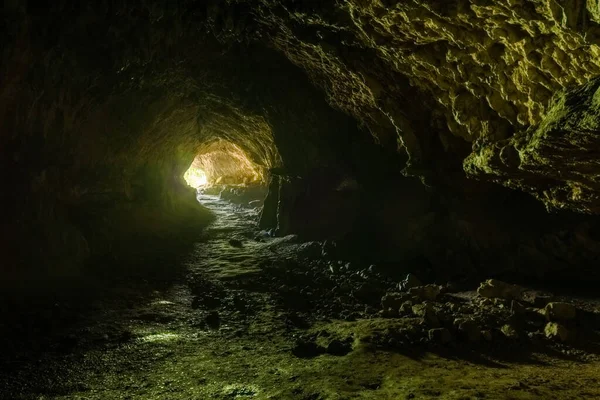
(222, 162)
(195, 177)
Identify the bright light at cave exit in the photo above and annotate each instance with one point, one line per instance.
(195, 177)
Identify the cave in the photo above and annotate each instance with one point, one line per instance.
(295, 199)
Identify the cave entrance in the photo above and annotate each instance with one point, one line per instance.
(222, 163)
(225, 169)
(195, 177)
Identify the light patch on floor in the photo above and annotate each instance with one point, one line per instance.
(160, 337)
(162, 303)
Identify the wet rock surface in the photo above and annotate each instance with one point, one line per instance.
(269, 320)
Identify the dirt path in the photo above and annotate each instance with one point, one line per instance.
(259, 318)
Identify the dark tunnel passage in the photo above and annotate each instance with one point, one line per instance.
(278, 199)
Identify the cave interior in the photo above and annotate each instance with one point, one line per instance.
(300, 199)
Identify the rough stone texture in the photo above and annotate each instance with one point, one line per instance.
(495, 289)
(556, 331)
(557, 161)
(560, 311)
(487, 70)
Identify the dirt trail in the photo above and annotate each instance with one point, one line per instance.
(255, 318)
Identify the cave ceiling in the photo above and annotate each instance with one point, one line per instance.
(490, 90)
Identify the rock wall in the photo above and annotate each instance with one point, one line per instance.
(438, 76)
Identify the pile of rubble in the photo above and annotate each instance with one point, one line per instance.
(438, 314)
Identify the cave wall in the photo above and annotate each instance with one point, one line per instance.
(483, 71)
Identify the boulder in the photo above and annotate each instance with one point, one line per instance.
(487, 335)
(425, 293)
(517, 308)
(393, 300)
(495, 289)
(556, 331)
(557, 311)
(440, 335)
(389, 313)
(410, 282)
(510, 331)
(427, 314)
(406, 308)
(468, 328)
(538, 299)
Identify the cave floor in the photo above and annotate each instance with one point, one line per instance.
(256, 321)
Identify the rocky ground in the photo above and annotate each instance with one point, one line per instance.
(246, 315)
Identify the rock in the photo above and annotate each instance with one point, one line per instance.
(310, 250)
(556, 331)
(487, 335)
(485, 302)
(425, 293)
(451, 287)
(468, 328)
(427, 313)
(517, 308)
(493, 288)
(539, 300)
(389, 313)
(420, 310)
(535, 316)
(445, 316)
(440, 335)
(453, 307)
(406, 308)
(393, 300)
(235, 242)
(509, 331)
(410, 282)
(560, 311)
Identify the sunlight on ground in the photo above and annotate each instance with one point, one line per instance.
(195, 177)
(160, 337)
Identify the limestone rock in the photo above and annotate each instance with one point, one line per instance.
(493, 288)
